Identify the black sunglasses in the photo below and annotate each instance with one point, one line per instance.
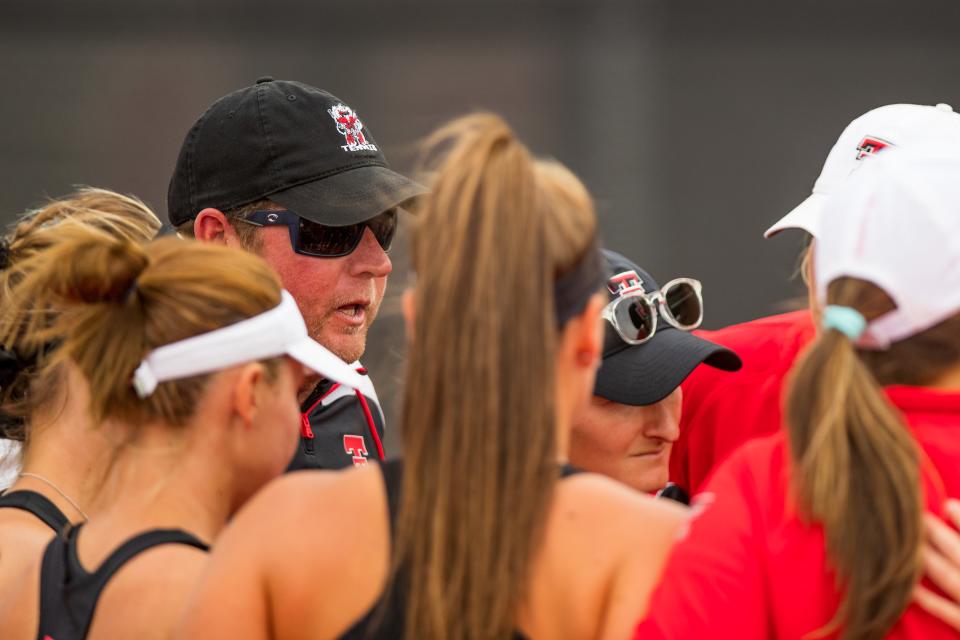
(323, 241)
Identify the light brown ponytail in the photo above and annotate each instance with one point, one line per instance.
(116, 300)
(117, 215)
(856, 467)
(494, 234)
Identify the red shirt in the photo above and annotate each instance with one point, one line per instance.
(749, 568)
(723, 409)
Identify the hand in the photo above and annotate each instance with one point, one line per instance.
(941, 560)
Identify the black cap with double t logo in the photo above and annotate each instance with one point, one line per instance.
(643, 374)
(294, 144)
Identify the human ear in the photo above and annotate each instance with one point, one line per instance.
(248, 384)
(589, 336)
(211, 225)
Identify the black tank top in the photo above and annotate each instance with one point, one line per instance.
(39, 505)
(386, 619)
(69, 593)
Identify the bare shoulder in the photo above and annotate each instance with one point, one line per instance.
(603, 552)
(319, 542)
(607, 521)
(148, 595)
(18, 598)
(23, 521)
(310, 500)
(23, 539)
(591, 500)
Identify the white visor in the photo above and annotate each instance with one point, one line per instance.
(277, 332)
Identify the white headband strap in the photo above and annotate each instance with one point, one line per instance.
(279, 331)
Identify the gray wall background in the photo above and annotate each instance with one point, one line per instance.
(695, 124)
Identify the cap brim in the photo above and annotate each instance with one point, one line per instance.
(647, 373)
(319, 359)
(805, 216)
(350, 196)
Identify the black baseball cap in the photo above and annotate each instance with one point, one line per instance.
(642, 374)
(291, 143)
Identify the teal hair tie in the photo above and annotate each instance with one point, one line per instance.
(847, 321)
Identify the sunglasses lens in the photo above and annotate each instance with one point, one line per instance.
(384, 227)
(635, 318)
(321, 240)
(684, 304)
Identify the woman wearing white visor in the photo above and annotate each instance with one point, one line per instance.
(831, 509)
(192, 356)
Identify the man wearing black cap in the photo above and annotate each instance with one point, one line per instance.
(292, 173)
(628, 429)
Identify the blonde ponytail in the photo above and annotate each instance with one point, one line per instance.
(480, 450)
(856, 467)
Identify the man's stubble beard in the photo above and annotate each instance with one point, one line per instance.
(358, 335)
(315, 331)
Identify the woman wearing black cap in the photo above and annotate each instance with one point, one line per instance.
(478, 532)
(630, 424)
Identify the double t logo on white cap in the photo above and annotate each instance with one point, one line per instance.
(277, 332)
(896, 224)
(883, 128)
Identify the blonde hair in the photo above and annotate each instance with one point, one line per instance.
(494, 234)
(856, 467)
(35, 232)
(117, 300)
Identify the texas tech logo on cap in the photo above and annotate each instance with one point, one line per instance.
(871, 146)
(350, 127)
(625, 282)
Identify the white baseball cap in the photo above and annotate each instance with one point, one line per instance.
(276, 332)
(893, 125)
(896, 223)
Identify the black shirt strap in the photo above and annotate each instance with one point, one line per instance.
(567, 470)
(69, 594)
(674, 492)
(39, 505)
(131, 548)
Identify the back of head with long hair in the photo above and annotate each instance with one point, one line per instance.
(856, 467)
(114, 214)
(116, 300)
(496, 231)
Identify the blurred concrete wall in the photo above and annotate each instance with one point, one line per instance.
(695, 124)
